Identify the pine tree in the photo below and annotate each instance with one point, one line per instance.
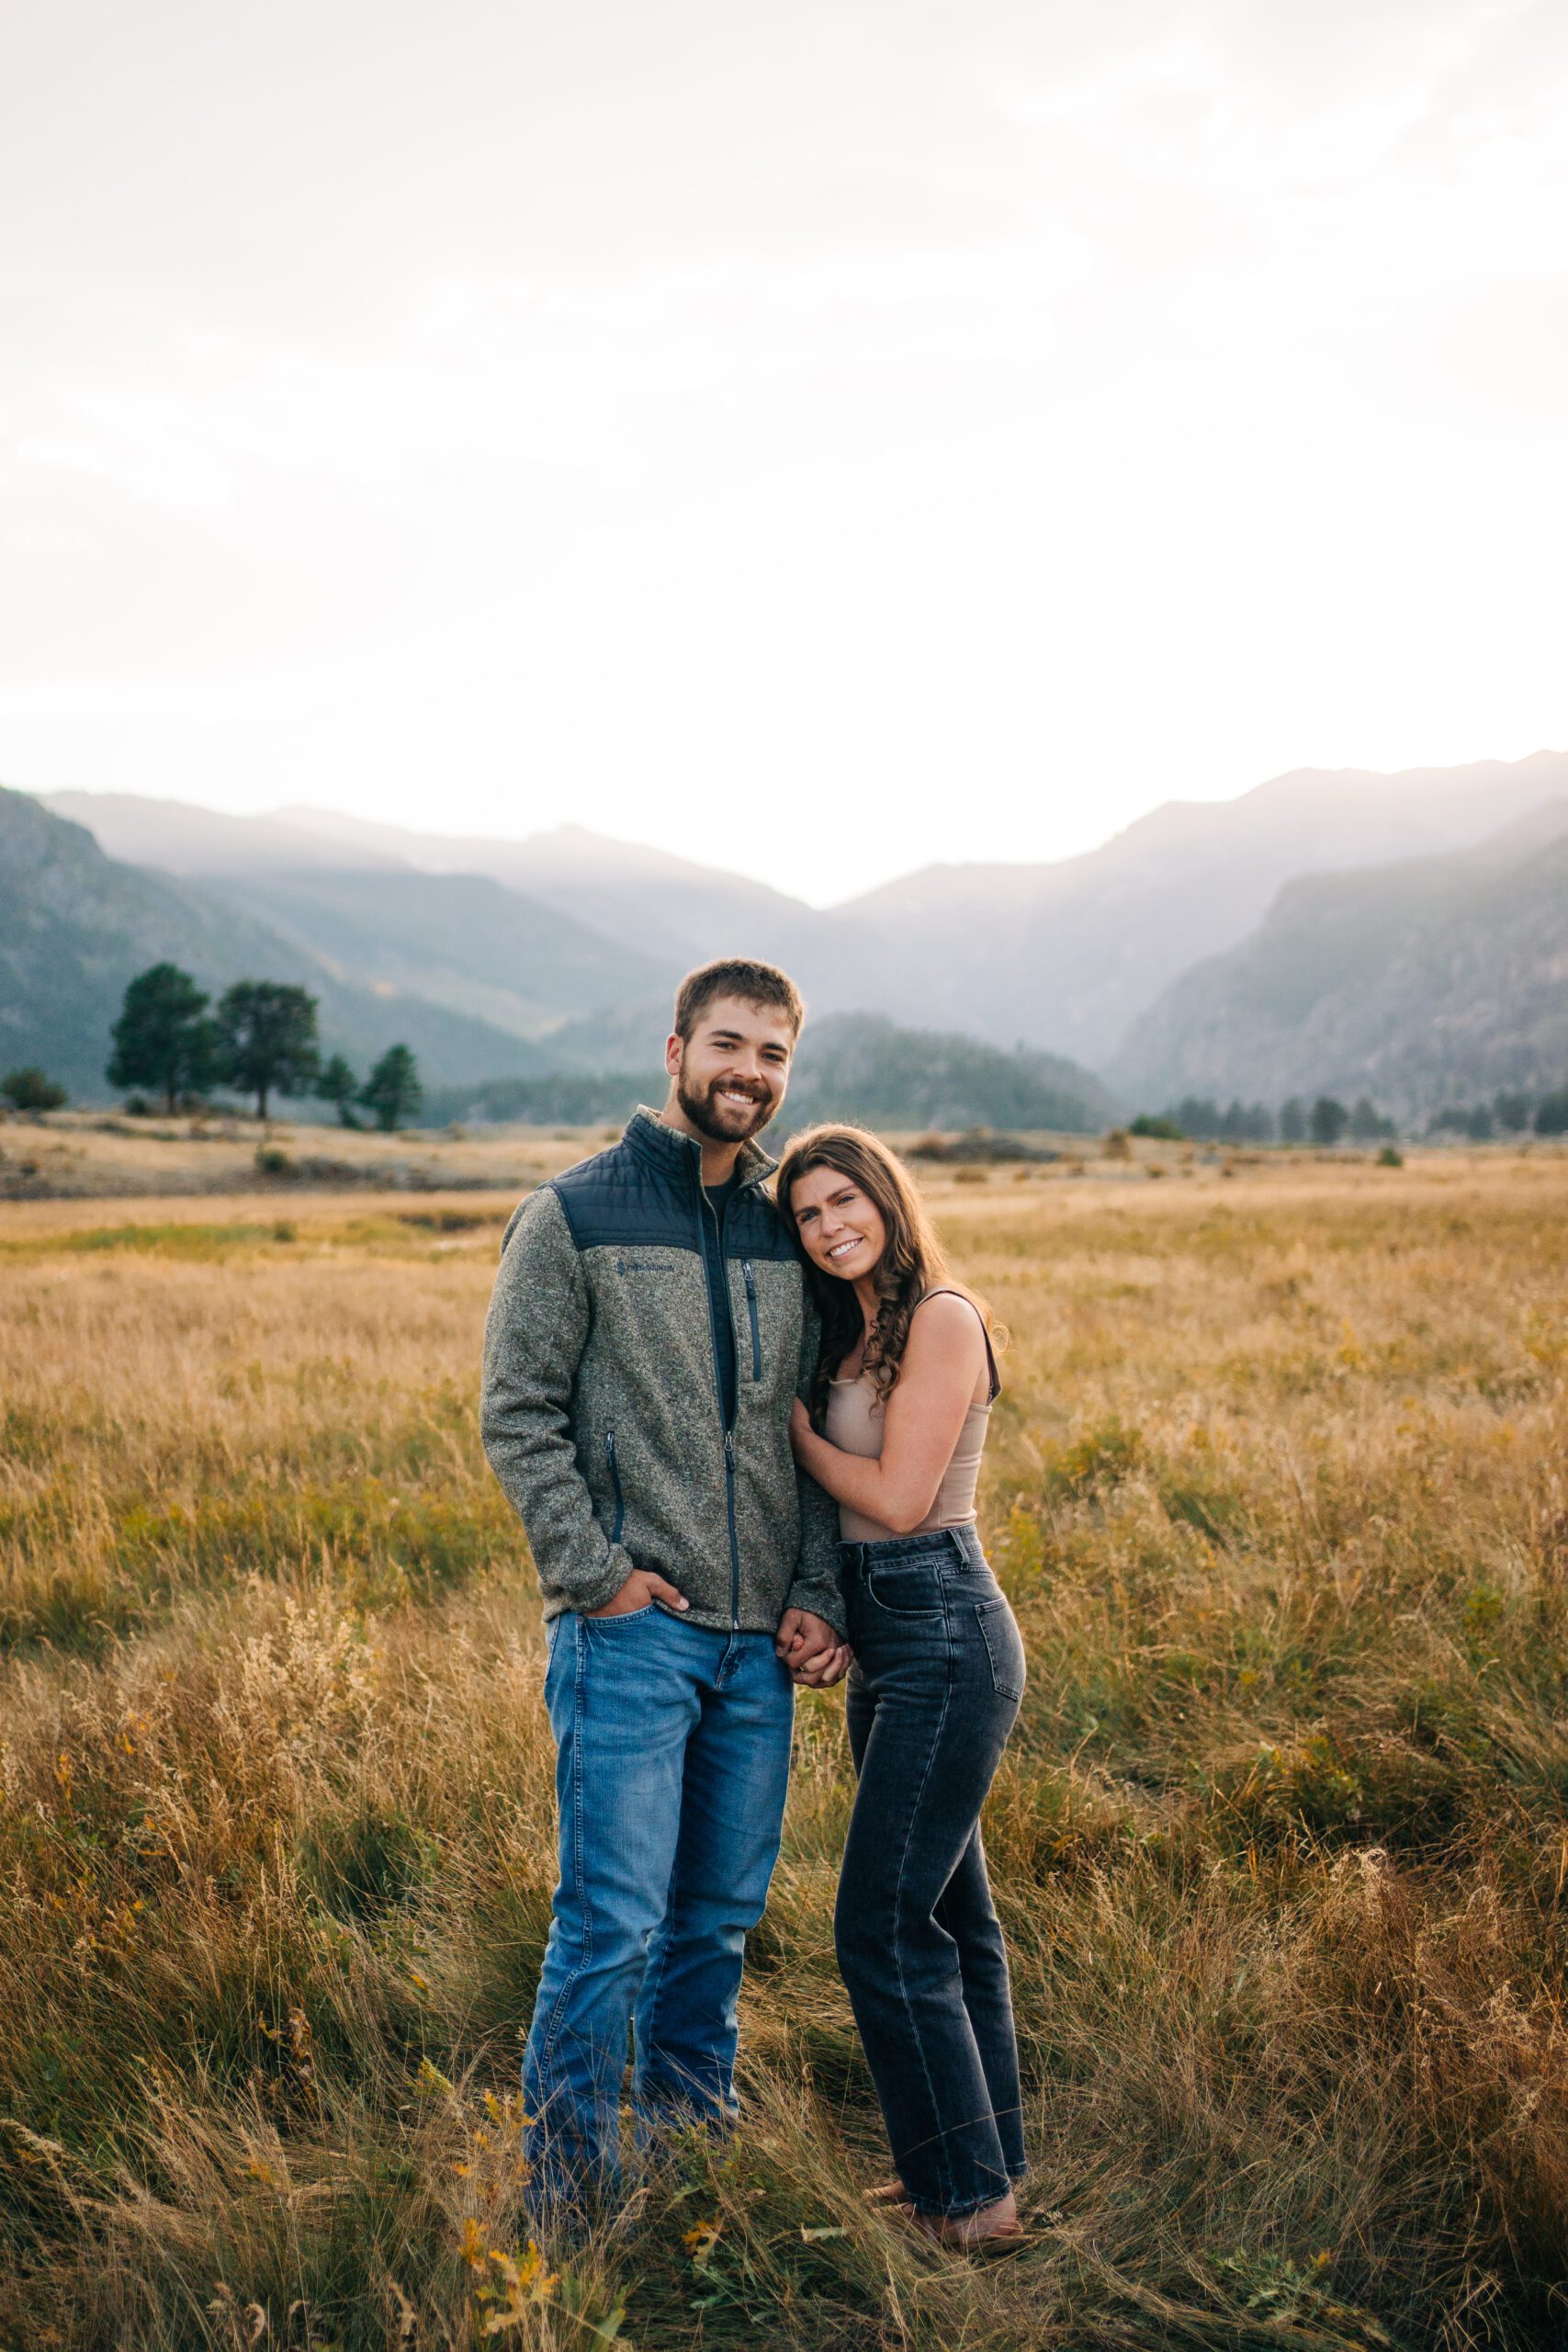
(162, 1038)
(1551, 1114)
(338, 1084)
(392, 1091)
(1329, 1119)
(266, 1039)
(1367, 1122)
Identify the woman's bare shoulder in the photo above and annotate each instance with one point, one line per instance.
(946, 1319)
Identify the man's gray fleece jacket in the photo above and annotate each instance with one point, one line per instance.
(602, 1415)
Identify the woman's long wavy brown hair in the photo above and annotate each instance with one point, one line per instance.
(911, 1264)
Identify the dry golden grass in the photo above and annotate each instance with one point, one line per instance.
(93, 1155)
(1278, 1487)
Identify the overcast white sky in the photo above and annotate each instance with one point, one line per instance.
(817, 438)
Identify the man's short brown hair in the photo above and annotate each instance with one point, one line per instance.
(740, 976)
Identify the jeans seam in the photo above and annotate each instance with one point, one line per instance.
(941, 2159)
(645, 2056)
(552, 2032)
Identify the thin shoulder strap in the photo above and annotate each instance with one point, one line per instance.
(947, 1291)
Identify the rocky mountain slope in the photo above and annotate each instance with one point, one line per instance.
(1412, 982)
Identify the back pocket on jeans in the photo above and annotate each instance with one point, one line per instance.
(1004, 1647)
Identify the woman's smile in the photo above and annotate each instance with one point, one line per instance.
(844, 1230)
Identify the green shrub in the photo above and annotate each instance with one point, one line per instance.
(30, 1090)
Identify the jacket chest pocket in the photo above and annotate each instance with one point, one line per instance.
(766, 1300)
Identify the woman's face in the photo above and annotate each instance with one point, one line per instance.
(841, 1228)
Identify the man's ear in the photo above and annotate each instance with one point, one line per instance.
(673, 1057)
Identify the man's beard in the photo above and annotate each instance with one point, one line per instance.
(721, 1123)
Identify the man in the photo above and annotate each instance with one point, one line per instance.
(646, 1338)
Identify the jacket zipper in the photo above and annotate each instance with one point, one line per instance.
(615, 1485)
(705, 1208)
(750, 1281)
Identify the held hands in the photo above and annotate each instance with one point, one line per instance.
(815, 1654)
(641, 1588)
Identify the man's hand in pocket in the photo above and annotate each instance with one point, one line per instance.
(641, 1588)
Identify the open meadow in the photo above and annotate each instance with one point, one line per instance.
(1278, 1486)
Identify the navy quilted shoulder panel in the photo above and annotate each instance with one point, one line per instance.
(621, 1197)
(629, 1199)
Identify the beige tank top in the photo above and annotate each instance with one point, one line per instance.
(855, 1423)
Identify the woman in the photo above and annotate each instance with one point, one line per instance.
(895, 1431)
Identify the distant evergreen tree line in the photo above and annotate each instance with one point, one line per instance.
(260, 1039)
(1327, 1121)
(1198, 1119)
(1509, 1113)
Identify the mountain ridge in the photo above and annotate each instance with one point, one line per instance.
(1063, 957)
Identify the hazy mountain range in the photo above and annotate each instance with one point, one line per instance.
(1064, 956)
(382, 947)
(1283, 940)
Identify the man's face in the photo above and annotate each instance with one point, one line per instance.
(731, 1072)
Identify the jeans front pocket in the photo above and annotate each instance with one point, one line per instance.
(904, 1591)
(1004, 1647)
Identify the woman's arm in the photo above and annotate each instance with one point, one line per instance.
(941, 1368)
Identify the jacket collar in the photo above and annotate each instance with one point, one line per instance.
(649, 1137)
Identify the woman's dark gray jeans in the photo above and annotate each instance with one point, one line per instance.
(938, 1676)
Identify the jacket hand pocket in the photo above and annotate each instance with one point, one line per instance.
(613, 1463)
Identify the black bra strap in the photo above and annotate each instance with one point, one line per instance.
(948, 1292)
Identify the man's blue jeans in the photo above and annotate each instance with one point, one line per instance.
(673, 1760)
